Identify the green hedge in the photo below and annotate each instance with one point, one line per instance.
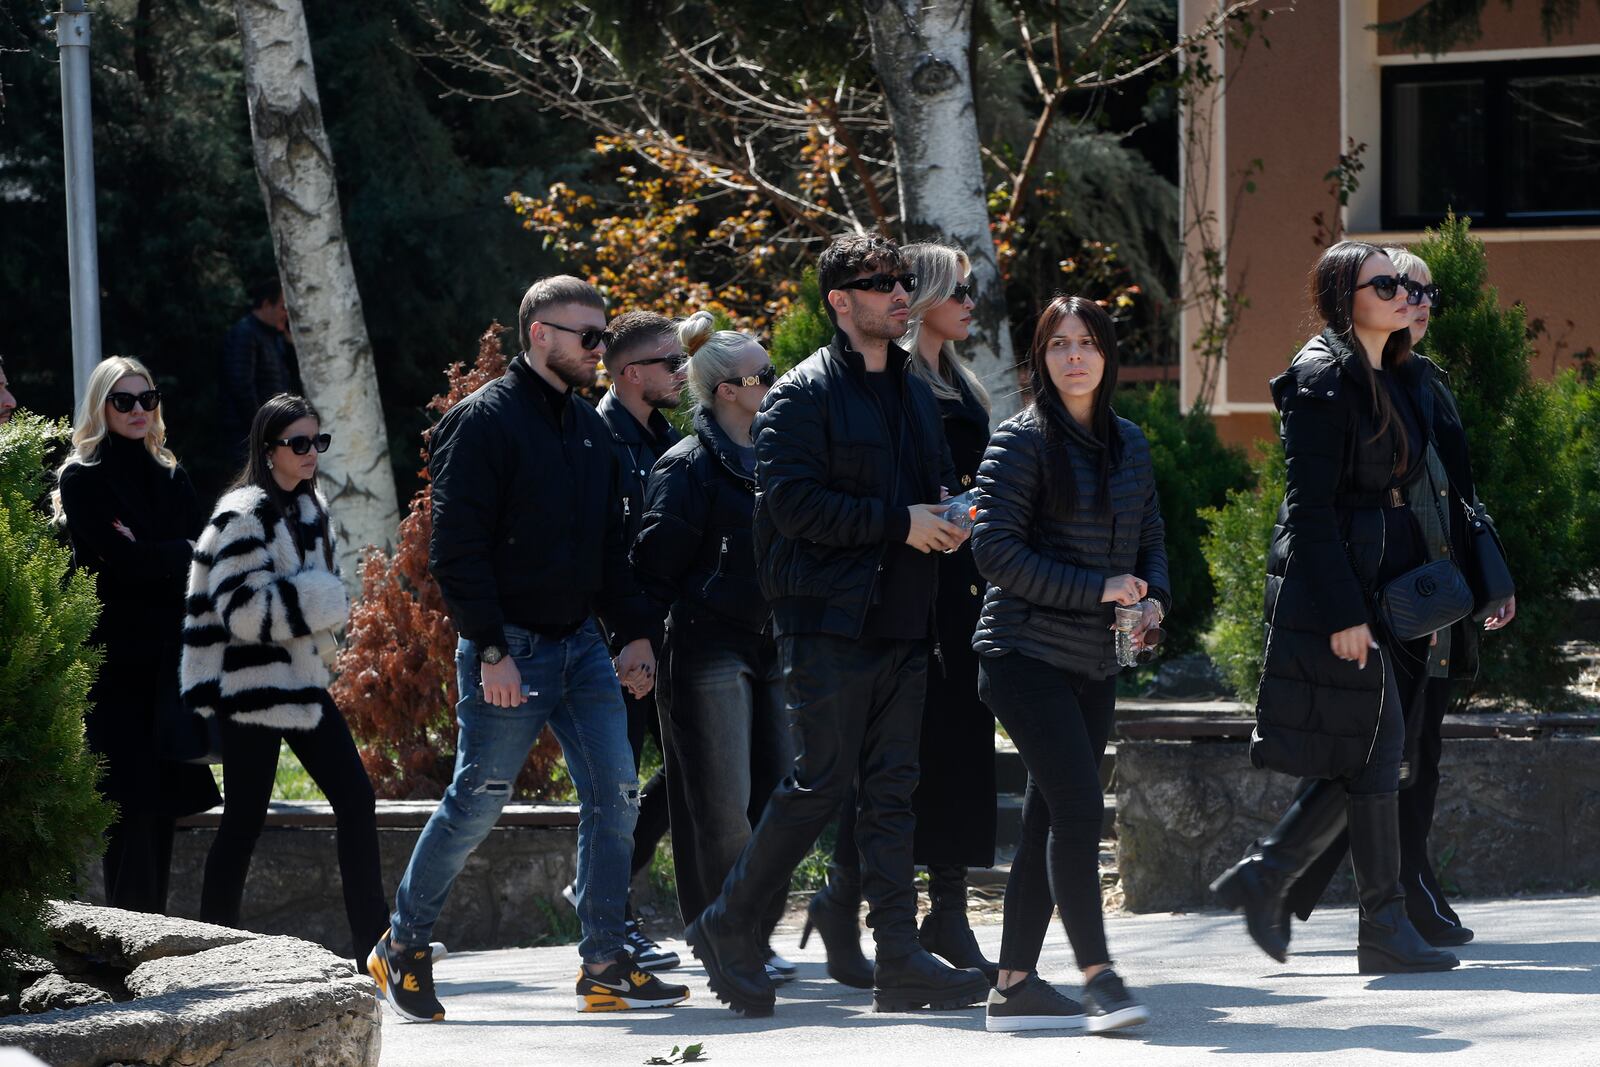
(1535, 449)
(51, 818)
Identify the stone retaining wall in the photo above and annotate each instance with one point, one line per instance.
(1513, 816)
(509, 894)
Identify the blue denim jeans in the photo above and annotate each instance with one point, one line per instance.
(575, 690)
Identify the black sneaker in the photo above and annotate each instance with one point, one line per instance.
(1031, 1004)
(779, 970)
(405, 978)
(1109, 1004)
(624, 987)
(647, 955)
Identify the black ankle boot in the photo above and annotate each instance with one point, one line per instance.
(916, 981)
(834, 912)
(1388, 943)
(735, 965)
(1259, 883)
(1430, 912)
(945, 931)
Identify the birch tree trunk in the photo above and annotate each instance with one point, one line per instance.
(919, 49)
(294, 163)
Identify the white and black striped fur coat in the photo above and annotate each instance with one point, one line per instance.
(254, 604)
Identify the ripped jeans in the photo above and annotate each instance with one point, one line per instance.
(575, 690)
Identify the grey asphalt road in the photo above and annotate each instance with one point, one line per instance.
(1527, 995)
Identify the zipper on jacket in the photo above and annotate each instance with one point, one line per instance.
(722, 556)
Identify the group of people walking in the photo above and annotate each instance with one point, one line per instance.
(786, 600)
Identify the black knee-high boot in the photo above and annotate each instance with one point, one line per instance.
(1388, 943)
(835, 913)
(945, 931)
(1259, 883)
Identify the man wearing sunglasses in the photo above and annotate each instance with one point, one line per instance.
(528, 547)
(646, 364)
(851, 461)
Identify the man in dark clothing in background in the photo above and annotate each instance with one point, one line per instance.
(257, 362)
(645, 361)
(527, 546)
(851, 459)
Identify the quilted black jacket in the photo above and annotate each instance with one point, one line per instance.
(1045, 569)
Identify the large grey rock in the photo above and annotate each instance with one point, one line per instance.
(55, 992)
(129, 938)
(260, 1002)
(1513, 816)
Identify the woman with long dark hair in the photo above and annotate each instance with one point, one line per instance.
(132, 516)
(1068, 528)
(1337, 688)
(265, 598)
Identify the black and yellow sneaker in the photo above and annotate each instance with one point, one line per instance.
(624, 986)
(405, 978)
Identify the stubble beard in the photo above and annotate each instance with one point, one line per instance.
(574, 370)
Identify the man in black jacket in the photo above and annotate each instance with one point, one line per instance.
(257, 363)
(527, 544)
(851, 457)
(645, 361)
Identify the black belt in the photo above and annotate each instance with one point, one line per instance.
(553, 631)
(1394, 497)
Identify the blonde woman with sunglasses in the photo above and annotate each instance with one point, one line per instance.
(131, 515)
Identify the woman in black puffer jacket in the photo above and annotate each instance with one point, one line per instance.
(1357, 431)
(724, 736)
(1068, 526)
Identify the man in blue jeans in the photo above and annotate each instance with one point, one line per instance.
(527, 547)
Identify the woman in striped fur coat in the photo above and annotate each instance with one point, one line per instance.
(264, 599)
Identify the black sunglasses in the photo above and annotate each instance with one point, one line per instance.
(765, 376)
(300, 444)
(883, 283)
(1415, 291)
(1385, 286)
(124, 402)
(590, 339)
(964, 290)
(674, 362)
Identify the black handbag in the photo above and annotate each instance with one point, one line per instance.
(183, 735)
(1425, 600)
(1486, 570)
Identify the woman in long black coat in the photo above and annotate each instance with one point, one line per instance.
(955, 797)
(131, 514)
(1335, 686)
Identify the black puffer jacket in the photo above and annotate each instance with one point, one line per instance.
(1046, 571)
(1317, 715)
(526, 528)
(826, 472)
(694, 551)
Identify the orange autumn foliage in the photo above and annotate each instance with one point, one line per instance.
(396, 676)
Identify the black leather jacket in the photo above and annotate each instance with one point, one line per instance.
(1047, 571)
(636, 454)
(826, 473)
(526, 529)
(695, 552)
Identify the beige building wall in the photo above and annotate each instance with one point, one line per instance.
(1293, 106)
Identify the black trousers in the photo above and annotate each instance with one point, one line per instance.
(654, 820)
(138, 860)
(855, 710)
(1060, 723)
(249, 765)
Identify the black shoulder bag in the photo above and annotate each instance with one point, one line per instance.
(1425, 599)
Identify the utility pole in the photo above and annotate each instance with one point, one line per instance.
(77, 135)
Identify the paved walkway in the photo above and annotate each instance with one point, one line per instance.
(1527, 994)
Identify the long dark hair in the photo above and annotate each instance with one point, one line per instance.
(1333, 295)
(271, 419)
(1060, 485)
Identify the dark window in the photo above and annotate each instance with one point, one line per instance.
(1507, 144)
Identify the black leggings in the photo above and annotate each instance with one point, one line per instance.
(249, 766)
(1060, 723)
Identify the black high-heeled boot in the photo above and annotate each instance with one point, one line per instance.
(945, 931)
(1387, 943)
(835, 913)
(1259, 883)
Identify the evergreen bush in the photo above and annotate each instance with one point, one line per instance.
(1194, 471)
(802, 329)
(1535, 448)
(51, 817)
